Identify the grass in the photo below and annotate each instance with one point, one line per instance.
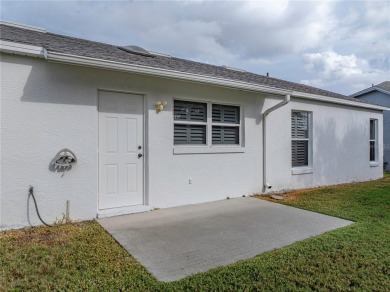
(83, 256)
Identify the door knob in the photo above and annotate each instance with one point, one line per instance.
(139, 155)
(139, 147)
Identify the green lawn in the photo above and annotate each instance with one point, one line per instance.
(84, 257)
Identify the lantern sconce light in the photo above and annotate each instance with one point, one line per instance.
(160, 106)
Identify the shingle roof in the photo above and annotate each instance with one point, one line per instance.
(80, 47)
(384, 85)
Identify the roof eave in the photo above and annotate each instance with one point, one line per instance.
(22, 49)
(35, 51)
(158, 72)
(92, 62)
(368, 90)
(338, 101)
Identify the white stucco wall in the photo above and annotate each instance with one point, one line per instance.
(340, 146)
(40, 115)
(381, 98)
(47, 106)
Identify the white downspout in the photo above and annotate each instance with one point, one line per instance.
(267, 185)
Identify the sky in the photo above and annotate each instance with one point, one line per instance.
(341, 46)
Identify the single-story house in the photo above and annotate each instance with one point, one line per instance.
(144, 130)
(380, 94)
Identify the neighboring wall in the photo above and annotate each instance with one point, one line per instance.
(48, 106)
(381, 98)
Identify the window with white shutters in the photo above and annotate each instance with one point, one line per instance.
(300, 135)
(373, 140)
(192, 125)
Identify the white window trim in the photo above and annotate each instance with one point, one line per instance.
(305, 169)
(374, 163)
(209, 147)
(190, 123)
(301, 170)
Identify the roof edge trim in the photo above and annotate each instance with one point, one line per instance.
(23, 26)
(338, 101)
(367, 90)
(99, 63)
(22, 49)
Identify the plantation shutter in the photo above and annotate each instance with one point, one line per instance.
(190, 111)
(228, 134)
(189, 134)
(373, 140)
(299, 125)
(226, 114)
(300, 136)
(192, 133)
(225, 135)
(300, 153)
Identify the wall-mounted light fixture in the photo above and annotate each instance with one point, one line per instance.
(160, 106)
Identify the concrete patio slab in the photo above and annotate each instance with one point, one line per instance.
(177, 242)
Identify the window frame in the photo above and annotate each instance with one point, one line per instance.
(209, 147)
(374, 162)
(304, 169)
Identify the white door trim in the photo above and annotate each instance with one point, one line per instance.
(122, 211)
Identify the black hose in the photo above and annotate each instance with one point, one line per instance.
(31, 192)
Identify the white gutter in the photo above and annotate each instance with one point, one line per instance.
(266, 184)
(158, 72)
(140, 69)
(338, 101)
(22, 49)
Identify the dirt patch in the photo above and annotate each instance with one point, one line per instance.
(291, 196)
(41, 235)
(45, 237)
(294, 196)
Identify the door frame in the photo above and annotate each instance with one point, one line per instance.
(101, 213)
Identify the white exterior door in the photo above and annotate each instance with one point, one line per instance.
(121, 150)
